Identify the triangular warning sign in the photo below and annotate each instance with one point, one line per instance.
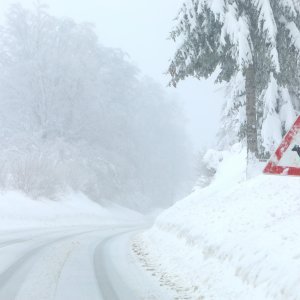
(286, 159)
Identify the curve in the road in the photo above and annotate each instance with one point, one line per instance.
(74, 264)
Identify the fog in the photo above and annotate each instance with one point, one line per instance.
(140, 28)
(86, 107)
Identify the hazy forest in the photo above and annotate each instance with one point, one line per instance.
(77, 115)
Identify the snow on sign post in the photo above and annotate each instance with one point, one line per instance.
(286, 159)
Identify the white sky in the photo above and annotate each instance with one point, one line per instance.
(140, 28)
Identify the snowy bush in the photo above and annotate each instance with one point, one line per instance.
(225, 167)
(207, 165)
(35, 175)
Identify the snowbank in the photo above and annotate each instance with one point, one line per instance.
(235, 239)
(17, 211)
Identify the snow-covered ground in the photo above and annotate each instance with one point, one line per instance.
(72, 249)
(236, 239)
(17, 211)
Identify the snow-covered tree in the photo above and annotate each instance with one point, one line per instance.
(254, 46)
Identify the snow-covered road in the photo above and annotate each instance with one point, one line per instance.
(75, 263)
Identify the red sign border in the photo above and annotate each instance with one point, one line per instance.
(272, 166)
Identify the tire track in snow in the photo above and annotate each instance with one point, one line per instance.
(91, 263)
(13, 277)
(120, 275)
(107, 277)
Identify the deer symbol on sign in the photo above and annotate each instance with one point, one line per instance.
(296, 148)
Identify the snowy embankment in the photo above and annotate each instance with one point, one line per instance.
(18, 211)
(235, 239)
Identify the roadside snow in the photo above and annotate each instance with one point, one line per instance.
(17, 211)
(235, 239)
